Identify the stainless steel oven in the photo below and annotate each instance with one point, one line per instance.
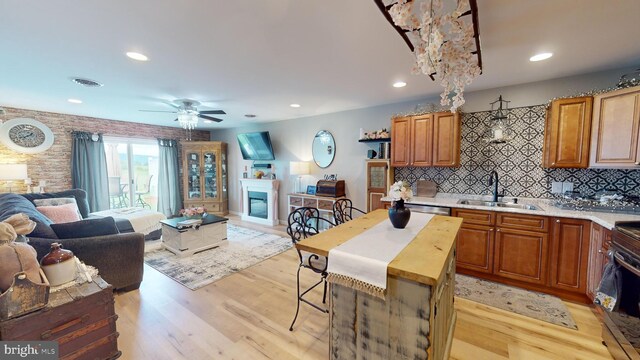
(622, 331)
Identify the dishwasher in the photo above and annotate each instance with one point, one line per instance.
(428, 209)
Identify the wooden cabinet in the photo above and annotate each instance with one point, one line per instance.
(204, 165)
(322, 203)
(379, 174)
(599, 246)
(521, 255)
(426, 140)
(616, 129)
(446, 139)
(568, 133)
(475, 247)
(401, 141)
(570, 254)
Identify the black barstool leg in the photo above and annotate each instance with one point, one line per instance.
(324, 294)
(298, 306)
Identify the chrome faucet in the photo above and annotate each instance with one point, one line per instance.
(494, 183)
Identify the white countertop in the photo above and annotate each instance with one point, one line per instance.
(545, 208)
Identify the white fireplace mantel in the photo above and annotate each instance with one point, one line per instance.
(268, 186)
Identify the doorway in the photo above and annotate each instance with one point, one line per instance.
(132, 167)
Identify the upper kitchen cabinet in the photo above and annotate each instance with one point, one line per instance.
(426, 140)
(567, 133)
(615, 129)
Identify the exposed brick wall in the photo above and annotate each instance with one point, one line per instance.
(54, 165)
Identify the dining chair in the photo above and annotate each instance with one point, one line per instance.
(116, 193)
(343, 211)
(304, 222)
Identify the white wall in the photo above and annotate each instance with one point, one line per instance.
(292, 138)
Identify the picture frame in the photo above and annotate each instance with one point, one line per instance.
(311, 190)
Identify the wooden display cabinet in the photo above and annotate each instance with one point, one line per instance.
(379, 178)
(205, 176)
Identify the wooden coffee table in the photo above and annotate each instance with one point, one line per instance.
(184, 241)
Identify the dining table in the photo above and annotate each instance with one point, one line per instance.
(412, 314)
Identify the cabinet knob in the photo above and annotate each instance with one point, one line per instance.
(600, 251)
(491, 229)
(553, 163)
(558, 221)
(637, 162)
(498, 230)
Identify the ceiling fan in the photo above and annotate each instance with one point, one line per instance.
(187, 111)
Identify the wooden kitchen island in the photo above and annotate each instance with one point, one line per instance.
(416, 319)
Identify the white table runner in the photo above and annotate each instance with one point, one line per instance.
(361, 263)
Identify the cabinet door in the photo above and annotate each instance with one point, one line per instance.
(377, 183)
(570, 254)
(596, 265)
(616, 121)
(446, 139)
(401, 141)
(193, 183)
(210, 174)
(422, 140)
(521, 255)
(569, 133)
(474, 248)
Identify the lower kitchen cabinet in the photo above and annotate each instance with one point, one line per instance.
(474, 248)
(521, 255)
(570, 254)
(600, 241)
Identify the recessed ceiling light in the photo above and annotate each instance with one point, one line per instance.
(295, 105)
(250, 115)
(540, 57)
(208, 121)
(75, 101)
(399, 84)
(137, 56)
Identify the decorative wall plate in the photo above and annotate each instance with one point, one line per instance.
(27, 136)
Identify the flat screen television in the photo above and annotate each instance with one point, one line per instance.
(256, 146)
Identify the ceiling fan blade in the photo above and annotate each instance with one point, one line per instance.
(176, 119)
(213, 112)
(164, 111)
(209, 118)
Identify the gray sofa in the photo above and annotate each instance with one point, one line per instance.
(119, 258)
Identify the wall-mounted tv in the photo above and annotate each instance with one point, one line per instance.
(256, 146)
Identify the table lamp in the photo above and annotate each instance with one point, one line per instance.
(13, 172)
(299, 168)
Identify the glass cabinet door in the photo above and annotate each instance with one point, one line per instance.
(210, 180)
(223, 165)
(193, 167)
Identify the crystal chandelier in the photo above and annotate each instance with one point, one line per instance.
(188, 120)
(443, 38)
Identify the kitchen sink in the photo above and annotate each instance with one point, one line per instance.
(502, 204)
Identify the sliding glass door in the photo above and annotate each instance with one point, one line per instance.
(132, 166)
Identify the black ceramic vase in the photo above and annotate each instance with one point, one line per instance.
(399, 215)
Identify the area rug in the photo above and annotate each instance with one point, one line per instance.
(244, 248)
(524, 302)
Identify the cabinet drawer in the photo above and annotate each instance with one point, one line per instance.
(310, 202)
(523, 222)
(325, 205)
(213, 208)
(295, 201)
(475, 216)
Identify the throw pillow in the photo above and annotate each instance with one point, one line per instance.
(57, 202)
(86, 228)
(61, 213)
(11, 204)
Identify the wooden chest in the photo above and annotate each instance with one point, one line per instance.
(81, 319)
(333, 188)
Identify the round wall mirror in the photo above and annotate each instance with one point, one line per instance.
(323, 148)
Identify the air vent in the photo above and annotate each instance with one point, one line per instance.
(86, 82)
(250, 115)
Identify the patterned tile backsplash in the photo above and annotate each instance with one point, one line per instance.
(518, 163)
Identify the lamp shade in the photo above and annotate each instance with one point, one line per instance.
(13, 171)
(299, 168)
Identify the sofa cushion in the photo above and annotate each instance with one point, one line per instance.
(58, 201)
(79, 194)
(11, 204)
(61, 213)
(86, 228)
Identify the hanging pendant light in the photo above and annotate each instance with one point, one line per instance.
(499, 131)
(188, 120)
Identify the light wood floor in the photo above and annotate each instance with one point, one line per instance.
(247, 315)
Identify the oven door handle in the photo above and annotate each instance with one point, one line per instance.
(620, 259)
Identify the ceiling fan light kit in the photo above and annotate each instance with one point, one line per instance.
(444, 37)
(188, 113)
